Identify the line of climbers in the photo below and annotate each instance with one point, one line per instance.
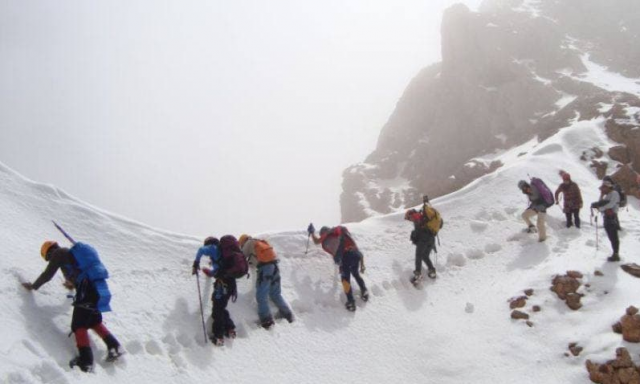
(540, 199)
(230, 259)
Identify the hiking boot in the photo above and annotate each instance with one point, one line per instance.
(289, 317)
(531, 229)
(267, 324)
(615, 257)
(217, 341)
(416, 278)
(84, 360)
(364, 295)
(351, 306)
(542, 240)
(231, 333)
(114, 353)
(432, 273)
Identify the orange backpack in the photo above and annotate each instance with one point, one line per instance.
(264, 252)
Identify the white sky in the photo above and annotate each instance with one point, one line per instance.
(206, 116)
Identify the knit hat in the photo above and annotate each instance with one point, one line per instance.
(607, 184)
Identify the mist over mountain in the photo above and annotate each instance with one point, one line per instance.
(512, 72)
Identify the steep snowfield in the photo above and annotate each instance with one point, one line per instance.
(456, 329)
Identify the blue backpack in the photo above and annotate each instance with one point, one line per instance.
(92, 269)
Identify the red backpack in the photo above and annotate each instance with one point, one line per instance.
(233, 262)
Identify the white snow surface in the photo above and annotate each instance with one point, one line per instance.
(603, 78)
(456, 329)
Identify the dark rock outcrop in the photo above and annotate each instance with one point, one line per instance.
(620, 370)
(507, 74)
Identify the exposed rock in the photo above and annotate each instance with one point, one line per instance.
(620, 153)
(573, 301)
(575, 349)
(620, 370)
(629, 325)
(627, 178)
(529, 323)
(563, 285)
(600, 167)
(566, 287)
(499, 85)
(518, 302)
(528, 292)
(574, 274)
(632, 269)
(536, 308)
(617, 328)
(519, 315)
(598, 273)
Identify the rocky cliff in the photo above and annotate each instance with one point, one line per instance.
(513, 71)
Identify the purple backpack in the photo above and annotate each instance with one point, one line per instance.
(233, 263)
(545, 192)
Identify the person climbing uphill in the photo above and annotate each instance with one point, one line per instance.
(537, 206)
(261, 254)
(224, 288)
(608, 206)
(572, 199)
(426, 222)
(91, 298)
(338, 243)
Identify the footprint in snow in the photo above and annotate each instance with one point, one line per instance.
(492, 248)
(497, 216)
(377, 291)
(475, 254)
(134, 347)
(511, 210)
(478, 226)
(154, 348)
(456, 259)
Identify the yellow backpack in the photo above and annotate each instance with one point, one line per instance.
(432, 219)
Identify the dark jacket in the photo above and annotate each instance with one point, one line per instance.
(60, 258)
(572, 196)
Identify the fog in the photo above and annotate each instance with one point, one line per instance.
(206, 117)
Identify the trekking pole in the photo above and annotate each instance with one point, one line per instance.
(204, 328)
(308, 238)
(597, 237)
(64, 233)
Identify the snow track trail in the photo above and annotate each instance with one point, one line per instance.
(454, 329)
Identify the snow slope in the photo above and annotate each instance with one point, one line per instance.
(456, 329)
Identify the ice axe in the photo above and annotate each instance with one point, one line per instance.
(204, 328)
(64, 232)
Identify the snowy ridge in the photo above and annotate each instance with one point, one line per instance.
(453, 330)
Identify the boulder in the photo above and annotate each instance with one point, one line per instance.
(620, 370)
(630, 325)
(518, 302)
(518, 315)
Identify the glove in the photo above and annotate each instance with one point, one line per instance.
(195, 268)
(28, 286)
(594, 205)
(68, 284)
(311, 229)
